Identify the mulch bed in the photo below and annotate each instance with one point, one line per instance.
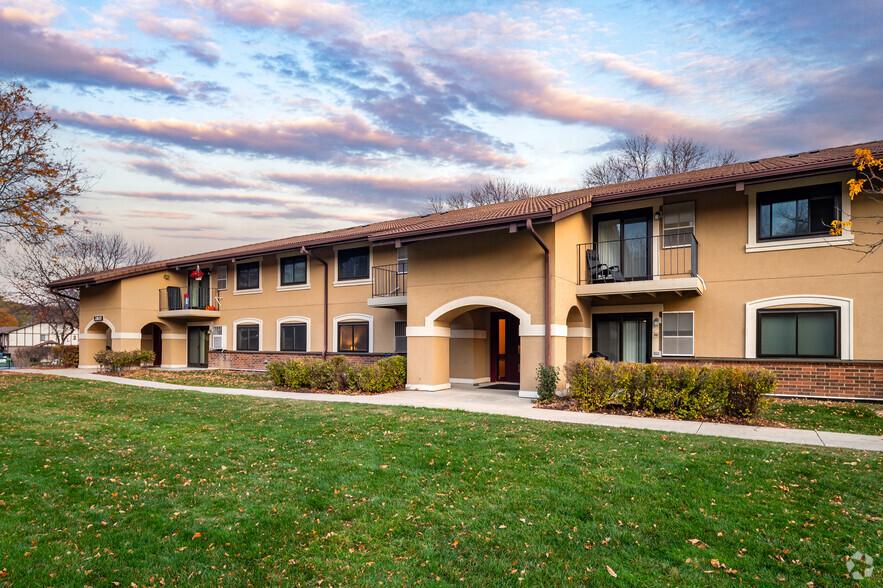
(569, 404)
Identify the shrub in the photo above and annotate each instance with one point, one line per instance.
(389, 373)
(276, 371)
(592, 382)
(338, 373)
(114, 361)
(547, 381)
(688, 392)
(69, 354)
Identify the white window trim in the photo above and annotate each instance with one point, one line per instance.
(754, 246)
(844, 304)
(662, 334)
(289, 320)
(344, 318)
(292, 287)
(248, 321)
(367, 281)
(259, 289)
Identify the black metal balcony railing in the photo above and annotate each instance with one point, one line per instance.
(178, 298)
(640, 258)
(389, 280)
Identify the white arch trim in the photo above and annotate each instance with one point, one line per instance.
(354, 317)
(94, 322)
(250, 321)
(287, 320)
(846, 322)
(526, 327)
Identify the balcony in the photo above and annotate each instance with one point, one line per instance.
(389, 285)
(653, 265)
(198, 302)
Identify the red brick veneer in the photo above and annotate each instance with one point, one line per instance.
(836, 379)
(258, 360)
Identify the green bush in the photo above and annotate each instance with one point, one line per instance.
(338, 373)
(114, 361)
(687, 392)
(547, 381)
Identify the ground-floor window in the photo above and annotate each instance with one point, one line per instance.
(293, 337)
(401, 339)
(247, 337)
(622, 337)
(805, 332)
(677, 333)
(352, 337)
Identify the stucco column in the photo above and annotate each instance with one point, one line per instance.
(429, 362)
(174, 350)
(532, 356)
(90, 344)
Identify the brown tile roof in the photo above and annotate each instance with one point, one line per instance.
(539, 207)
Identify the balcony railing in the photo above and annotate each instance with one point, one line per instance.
(389, 280)
(640, 258)
(178, 298)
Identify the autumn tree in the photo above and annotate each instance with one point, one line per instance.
(868, 186)
(491, 191)
(643, 156)
(7, 320)
(32, 266)
(39, 181)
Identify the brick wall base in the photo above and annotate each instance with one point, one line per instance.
(834, 379)
(257, 360)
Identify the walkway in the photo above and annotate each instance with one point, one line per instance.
(507, 403)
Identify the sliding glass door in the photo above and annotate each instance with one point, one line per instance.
(622, 337)
(622, 239)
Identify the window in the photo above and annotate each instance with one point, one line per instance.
(248, 275)
(797, 212)
(677, 224)
(247, 337)
(677, 333)
(221, 272)
(401, 339)
(293, 337)
(293, 270)
(352, 336)
(44, 338)
(402, 260)
(352, 264)
(807, 332)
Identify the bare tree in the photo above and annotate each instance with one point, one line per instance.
(31, 267)
(641, 156)
(491, 191)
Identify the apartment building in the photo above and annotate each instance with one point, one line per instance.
(726, 265)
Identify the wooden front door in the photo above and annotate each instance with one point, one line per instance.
(505, 346)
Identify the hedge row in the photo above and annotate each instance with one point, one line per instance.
(338, 373)
(685, 391)
(114, 361)
(70, 354)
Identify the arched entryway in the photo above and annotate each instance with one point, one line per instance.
(151, 340)
(97, 336)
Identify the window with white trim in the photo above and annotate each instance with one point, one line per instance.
(248, 275)
(293, 270)
(353, 263)
(678, 222)
(804, 332)
(677, 333)
(352, 336)
(248, 337)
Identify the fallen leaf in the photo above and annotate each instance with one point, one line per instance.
(610, 571)
(697, 543)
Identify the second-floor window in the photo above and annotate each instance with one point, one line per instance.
(797, 212)
(677, 224)
(248, 276)
(293, 270)
(352, 264)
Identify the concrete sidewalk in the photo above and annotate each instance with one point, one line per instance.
(508, 403)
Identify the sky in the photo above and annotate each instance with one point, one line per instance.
(211, 123)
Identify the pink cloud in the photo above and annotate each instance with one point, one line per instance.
(643, 76)
(31, 52)
(166, 171)
(315, 15)
(159, 214)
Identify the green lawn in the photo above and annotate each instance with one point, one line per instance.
(865, 418)
(213, 378)
(103, 483)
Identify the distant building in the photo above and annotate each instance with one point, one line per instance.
(35, 335)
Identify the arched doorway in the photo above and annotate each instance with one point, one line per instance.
(97, 336)
(151, 340)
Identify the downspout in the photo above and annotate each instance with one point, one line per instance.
(325, 303)
(547, 291)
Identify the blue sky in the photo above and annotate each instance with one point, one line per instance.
(214, 123)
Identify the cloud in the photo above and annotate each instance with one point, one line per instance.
(315, 17)
(131, 148)
(167, 172)
(197, 198)
(333, 138)
(159, 214)
(192, 35)
(29, 12)
(645, 78)
(34, 53)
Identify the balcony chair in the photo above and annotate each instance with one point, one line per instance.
(601, 272)
(173, 295)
